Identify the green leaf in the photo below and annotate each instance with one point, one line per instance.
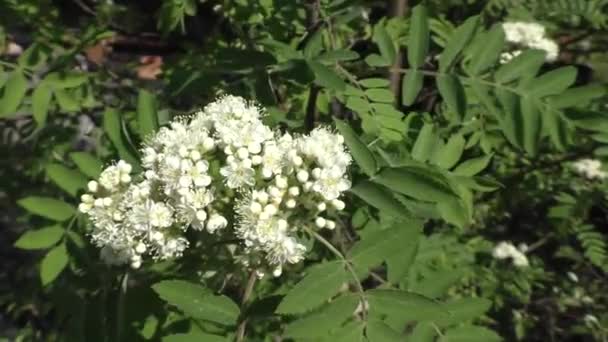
(385, 43)
(464, 309)
(112, 125)
(66, 101)
(457, 42)
(425, 143)
(579, 96)
(375, 60)
(53, 263)
(337, 56)
(69, 180)
(526, 64)
(532, 124)
(399, 264)
(452, 92)
(195, 336)
(197, 302)
(551, 83)
(379, 197)
(319, 324)
(40, 238)
(379, 331)
(66, 80)
(404, 305)
(488, 52)
(453, 211)
(380, 95)
(450, 153)
(470, 334)
(47, 207)
(412, 84)
(147, 117)
(321, 282)
(374, 82)
(361, 154)
(382, 244)
(41, 100)
(87, 163)
(326, 77)
(14, 92)
(417, 182)
(436, 284)
(419, 38)
(473, 166)
(423, 332)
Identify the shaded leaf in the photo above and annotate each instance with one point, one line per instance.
(326, 77)
(69, 180)
(385, 43)
(41, 100)
(14, 92)
(147, 117)
(412, 84)
(419, 38)
(525, 64)
(321, 282)
(473, 166)
(452, 92)
(197, 302)
(379, 197)
(361, 154)
(87, 163)
(457, 42)
(417, 182)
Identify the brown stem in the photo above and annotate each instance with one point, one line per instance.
(240, 333)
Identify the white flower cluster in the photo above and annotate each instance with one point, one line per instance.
(222, 168)
(590, 169)
(528, 35)
(506, 250)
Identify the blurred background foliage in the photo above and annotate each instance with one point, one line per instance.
(77, 76)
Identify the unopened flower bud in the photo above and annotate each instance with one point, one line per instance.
(93, 186)
(320, 222)
(302, 176)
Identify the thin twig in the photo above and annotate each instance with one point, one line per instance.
(120, 306)
(349, 267)
(240, 334)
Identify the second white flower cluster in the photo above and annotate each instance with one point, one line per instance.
(530, 36)
(224, 172)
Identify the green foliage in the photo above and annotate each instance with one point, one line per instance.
(453, 152)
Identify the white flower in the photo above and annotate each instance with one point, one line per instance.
(179, 189)
(528, 35)
(590, 169)
(216, 222)
(506, 250)
(238, 175)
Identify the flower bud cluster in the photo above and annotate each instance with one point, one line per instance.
(590, 169)
(531, 36)
(506, 250)
(223, 172)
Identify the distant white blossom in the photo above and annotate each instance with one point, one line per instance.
(220, 168)
(590, 169)
(528, 35)
(506, 250)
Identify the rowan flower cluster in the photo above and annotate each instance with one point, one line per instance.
(224, 172)
(506, 250)
(590, 169)
(528, 36)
